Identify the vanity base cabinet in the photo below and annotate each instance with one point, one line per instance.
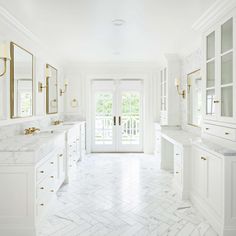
(214, 189)
(28, 191)
(82, 139)
(181, 170)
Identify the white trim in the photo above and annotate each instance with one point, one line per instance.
(18, 25)
(215, 12)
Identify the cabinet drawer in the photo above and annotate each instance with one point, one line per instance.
(45, 188)
(178, 152)
(46, 169)
(220, 131)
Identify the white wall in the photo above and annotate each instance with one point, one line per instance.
(79, 77)
(12, 30)
(190, 63)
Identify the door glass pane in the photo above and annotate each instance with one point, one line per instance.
(227, 101)
(211, 74)
(211, 46)
(227, 36)
(227, 69)
(130, 119)
(210, 106)
(103, 118)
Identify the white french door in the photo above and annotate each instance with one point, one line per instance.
(117, 107)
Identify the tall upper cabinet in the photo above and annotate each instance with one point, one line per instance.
(219, 70)
(170, 107)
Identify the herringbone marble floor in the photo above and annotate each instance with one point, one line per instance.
(122, 194)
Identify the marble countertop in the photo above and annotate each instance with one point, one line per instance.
(214, 147)
(179, 136)
(24, 149)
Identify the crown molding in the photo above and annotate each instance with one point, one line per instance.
(9, 18)
(215, 12)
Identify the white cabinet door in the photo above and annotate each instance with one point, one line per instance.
(219, 79)
(178, 153)
(214, 182)
(199, 172)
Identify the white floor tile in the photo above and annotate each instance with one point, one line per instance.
(122, 194)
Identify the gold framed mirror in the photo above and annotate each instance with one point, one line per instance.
(21, 82)
(51, 90)
(194, 98)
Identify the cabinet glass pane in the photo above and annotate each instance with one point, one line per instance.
(227, 36)
(210, 106)
(165, 89)
(227, 69)
(211, 46)
(227, 101)
(211, 74)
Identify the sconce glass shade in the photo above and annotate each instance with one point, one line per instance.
(177, 82)
(189, 82)
(48, 72)
(5, 51)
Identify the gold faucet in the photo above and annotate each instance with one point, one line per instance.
(31, 130)
(57, 122)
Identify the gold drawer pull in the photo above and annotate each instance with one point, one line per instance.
(42, 188)
(41, 171)
(52, 162)
(226, 133)
(60, 155)
(41, 204)
(51, 176)
(207, 128)
(216, 101)
(52, 190)
(203, 158)
(177, 172)
(177, 154)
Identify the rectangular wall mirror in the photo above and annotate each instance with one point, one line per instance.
(51, 91)
(21, 82)
(194, 84)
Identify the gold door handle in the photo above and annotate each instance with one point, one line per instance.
(119, 120)
(114, 120)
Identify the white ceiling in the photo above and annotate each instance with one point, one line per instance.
(82, 30)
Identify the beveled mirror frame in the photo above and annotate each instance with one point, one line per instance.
(47, 91)
(12, 80)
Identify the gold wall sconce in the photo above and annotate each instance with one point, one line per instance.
(74, 103)
(4, 55)
(65, 88)
(177, 84)
(48, 74)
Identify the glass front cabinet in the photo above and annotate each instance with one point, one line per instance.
(219, 65)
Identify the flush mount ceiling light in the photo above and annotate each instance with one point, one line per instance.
(116, 53)
(118, 22)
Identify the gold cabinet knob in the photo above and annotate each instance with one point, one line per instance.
(52, 162)
(42, 188)
(60, 155)
(52, 190)
(41, 204)
(41, 171)
(51, 176)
